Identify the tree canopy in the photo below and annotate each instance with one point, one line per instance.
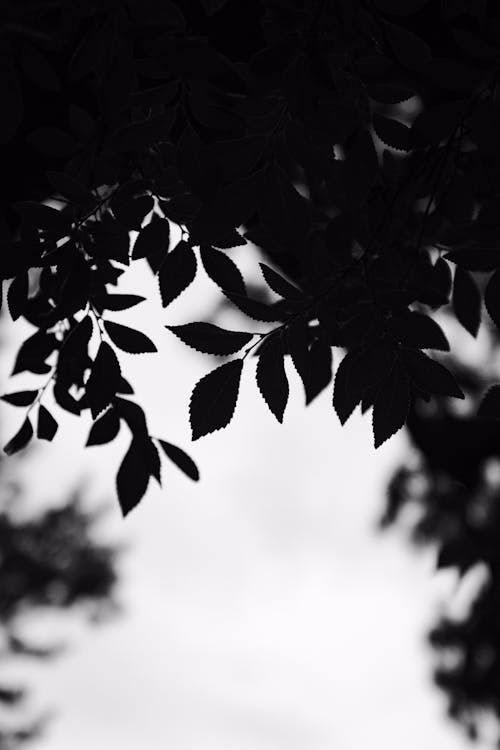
(353, 142)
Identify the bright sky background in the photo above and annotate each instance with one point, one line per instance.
(262, 610)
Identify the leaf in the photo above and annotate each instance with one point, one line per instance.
(271, 376)
(222, 270)
(411, 50)
(391, 405)
(176, 272)
(466, 301)
(128, 339)
(490, 404)
(492, 298)
(116, 301)
(20, 439)
(429, 375)
(210, 339)
(475, 259)
(17, 295)
(255, 309)
(345, 397)
(66, 185)
(181, 459)
(392, 132)
(132, 478)
(104, 378)
(132, 212)
(21, 398)
(214, 398)
(279, 284)
(417, 330)
(46, 425)
(153, 238)
(434, 124)
(53, 142)
(389, 94)
(320, 368)
(38, 68)
(104, 429)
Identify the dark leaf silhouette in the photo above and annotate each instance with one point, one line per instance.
(17, 296)
(104, 378)
(466, 301)
(271, 376)
(209, 338)
(128, 339)
(181, 459)
(104, 429)
(475, 259)
(153, 238)
(214, 398)
(20, 439)
(283, 210)
(255, 309)
(279, 284)
(320, 368)
(222, 270)
(490, 404)
(429, 375)
(21, 398)
(176, 272)
(417, 330)
(116, 301)
(46, 424)
(132, 478)
(392, 132)
(347, 394)
(391, 405)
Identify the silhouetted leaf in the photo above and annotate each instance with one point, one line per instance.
(181, 459)
(132, 478)
(492, 298)
(417, 330)
(429, 375)
(222, 270)
(466, 301)
(21, 398)
(128, 339)
(214, 398)
(17, 295)
(284, 211)
(103, 381)
(46, 425)
(104, 429)
(176, 272)
(255, 309)
(153, 238)
(391, 132)
(210, 339)
(279, 284)
(132, 212)
(116, 301)
(20, 439)
(345, 397)
(490, 404)
(391, 405)
(271, 376)
(69, 187)
(411, 50)
(53, 142)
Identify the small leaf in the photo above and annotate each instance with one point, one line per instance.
(492, 298)
(103, 382)
(466, 301)
(222, 270)
(153, 238)
(214, 398)
(429, 375)
(210, 339)
(128, 339)
(345, 397)
(132, 478)
(46, 425)
(181, 459)
(116, 301)
(320, 368)
(66, 185)
(391, 405)
(271, 376)
(104, 429)
(475, 259)
(176, 272)
(392, 132)
(20, 439)
(17, 296)
(490, 405)
(279, 284)
(255, 309)
(417, 330)
(21, 398)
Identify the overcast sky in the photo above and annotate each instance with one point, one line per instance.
(262, 611)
